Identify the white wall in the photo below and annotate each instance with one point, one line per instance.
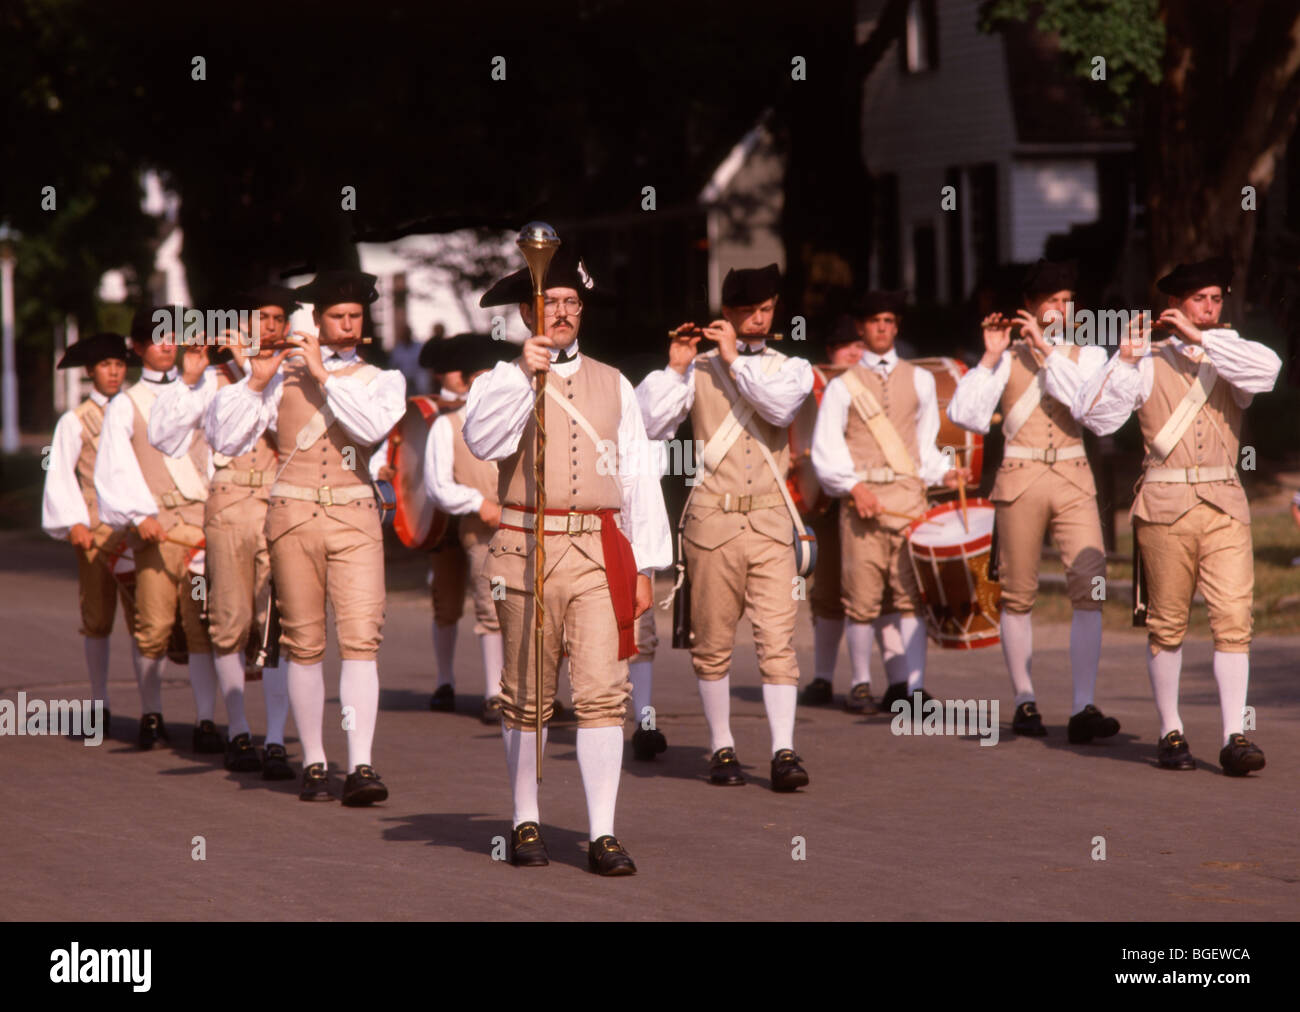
(918, 125)
(1048, 197)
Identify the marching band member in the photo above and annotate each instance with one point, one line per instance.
(465, 488)
(844, 347)
(328, 409)
(70, 510)
(238, 562)
(161, 499)
(1044, 484)
(874, 445)
(1191, 517)
(737, 531)
(597, 584)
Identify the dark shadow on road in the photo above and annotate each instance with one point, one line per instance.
(474, 833)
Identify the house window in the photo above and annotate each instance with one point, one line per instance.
(953, 238)
(888, 242)
(925, 262)
(983, 189)
(920, 48)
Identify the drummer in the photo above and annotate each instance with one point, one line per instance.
(1044, 484)
(465, 488)
(844, 347)
(874, 445)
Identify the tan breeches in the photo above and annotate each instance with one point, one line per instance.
(579, 617)
(751, 575)
(1203, 549)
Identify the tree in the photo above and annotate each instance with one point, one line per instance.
(1216, 109)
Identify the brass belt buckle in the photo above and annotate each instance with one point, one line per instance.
(1194, 474)
(744, 504)
(325, 496)
(254, 479)
(1049, 456)
(568, 523)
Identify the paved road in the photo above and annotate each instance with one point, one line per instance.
(893, 827)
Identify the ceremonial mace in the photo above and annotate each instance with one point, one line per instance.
(538, 243)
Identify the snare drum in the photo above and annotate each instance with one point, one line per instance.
(951, 564)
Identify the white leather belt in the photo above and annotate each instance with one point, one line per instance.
(729, 503)
(173, 500)
(879, 475)
(326, 495)
(250, 479)
(558, 523)
(1191, 475)
(1046, 456)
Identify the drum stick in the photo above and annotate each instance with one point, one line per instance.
(901, 516)
(187, 544)
(961, 496)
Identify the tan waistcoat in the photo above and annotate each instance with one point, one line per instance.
(91, 417)
(467, 469)
(159, 479)
(321, 464)
(743, 471)
(1212, 440)
(898, 400)
(1049, 426)
(573, 464)
(262, 458)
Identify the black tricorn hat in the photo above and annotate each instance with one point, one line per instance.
(750, 285)
(465, 353)
(1051, 276)
(878, 301)
(845, 331)
(90, 350)
(270, 295)
(1191, 277)
(566, 270)
(329, 288)
(162, 319)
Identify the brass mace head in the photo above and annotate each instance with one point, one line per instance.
(538, 242)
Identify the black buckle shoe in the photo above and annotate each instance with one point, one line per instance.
(527, 849)
(817, 693)
(606, 856)
(1090, 723)
(724, 769)
(1173, 753)
(241, 757)
(152, 731)
(443, 699)
(207, 739)
(646, 744)
(492, 710)
(1240, 756)
(787, 774)
(275, 763)
(363, 787)
(1029, 722)
(859, 699)
(315, 784)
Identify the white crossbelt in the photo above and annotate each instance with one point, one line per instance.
(183, 472)
(1190, 475)
(1049, 456)
(559, 523)
(251, 479)
(326, 495)
(1196, 397)
(881, 428)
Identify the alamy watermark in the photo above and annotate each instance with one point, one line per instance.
(80, 718)
(954, 716)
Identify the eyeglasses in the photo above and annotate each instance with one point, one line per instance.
(572, 306)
